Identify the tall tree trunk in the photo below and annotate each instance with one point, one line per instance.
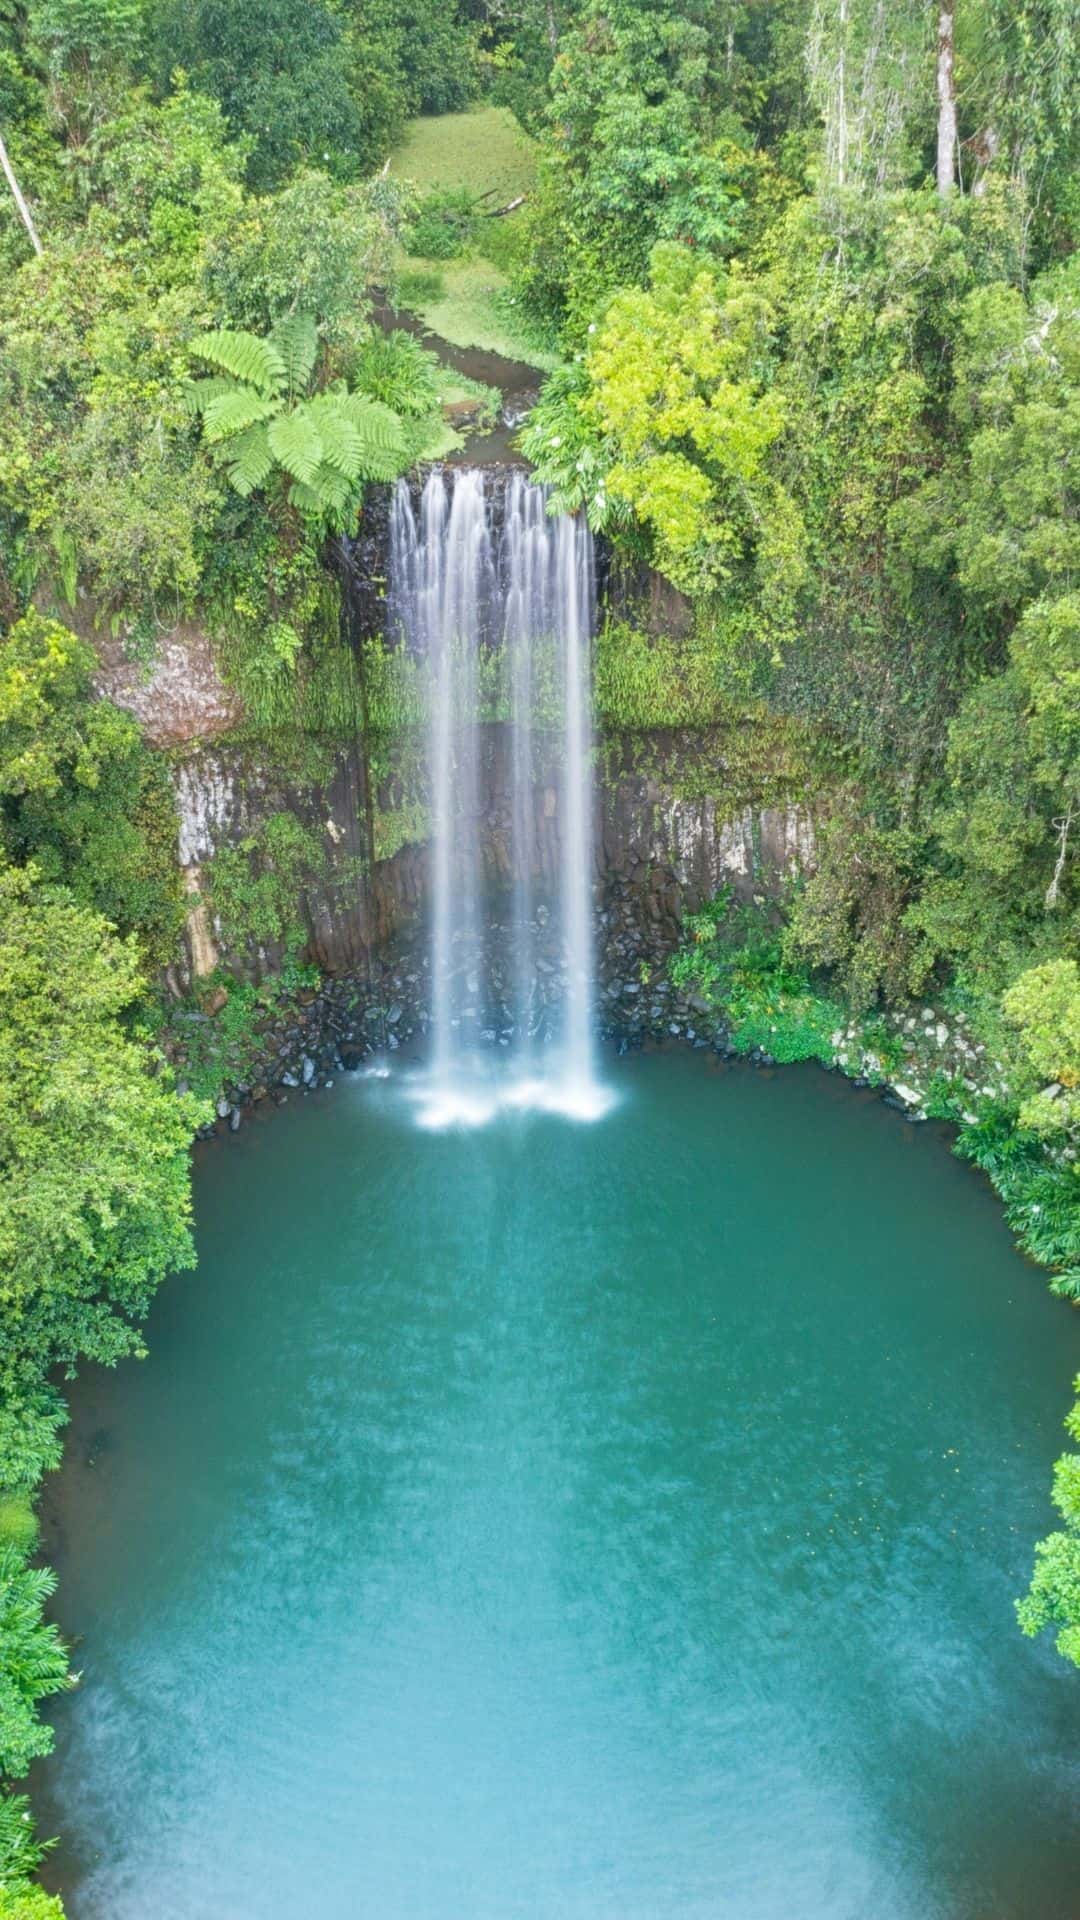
(985, 147)
(946, 93)
(24, 211)
(841, 101)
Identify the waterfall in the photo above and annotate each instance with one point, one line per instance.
(495, 598)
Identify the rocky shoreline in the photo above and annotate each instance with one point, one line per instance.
(310, 1038)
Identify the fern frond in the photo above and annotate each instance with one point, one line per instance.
(296, 443)
(245, 356)
(297, 341)
(234, 412)
(330, 497)
(379, 427)
(343, 443)
(306, 499)
(198, 393)
(249, 460)
(334, 488)
(381, 466)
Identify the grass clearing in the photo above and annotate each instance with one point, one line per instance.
(483, 150)
(471, 309)
(467, 301)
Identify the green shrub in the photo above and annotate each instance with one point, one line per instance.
(256, 888)
(395, 369)
(443, 226)
(1053, 1598)
(18, 1523)
(33, 1662)
(223, 1049)
(27, 1902)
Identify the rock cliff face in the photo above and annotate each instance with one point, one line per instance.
(658, 852)
(181, 698)
(675, 818)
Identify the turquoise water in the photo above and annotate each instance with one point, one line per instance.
(574, 1523)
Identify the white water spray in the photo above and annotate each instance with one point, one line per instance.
(504, 618)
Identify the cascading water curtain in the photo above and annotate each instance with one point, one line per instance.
(461, 591)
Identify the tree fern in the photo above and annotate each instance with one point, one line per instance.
(297, 342)
(296, 443)
(250, 460)
(246, 357)
(256, 422)
(233, 412)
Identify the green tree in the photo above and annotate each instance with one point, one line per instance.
(1003, 880)
(315, 247)
(88, 48)
(1044, 1003)
(1053, 1599)
(681, 423)
(1002, 506)
(279, 69)
(94, 1186)
(80, 794)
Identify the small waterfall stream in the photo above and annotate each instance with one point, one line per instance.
(496, 598)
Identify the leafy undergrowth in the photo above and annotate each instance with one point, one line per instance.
(226, 1047)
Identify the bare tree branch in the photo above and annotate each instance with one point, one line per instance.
(24, 211)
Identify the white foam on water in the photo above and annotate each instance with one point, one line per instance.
(476, 1099)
